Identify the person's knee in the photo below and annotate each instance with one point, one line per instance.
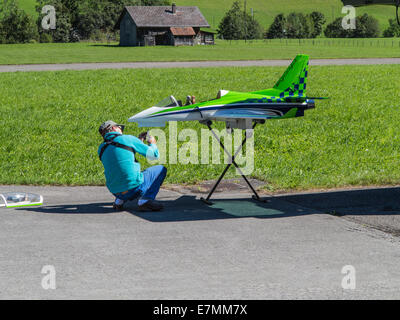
(160, 171)
(163, 171)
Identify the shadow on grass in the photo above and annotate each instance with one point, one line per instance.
(188, 208)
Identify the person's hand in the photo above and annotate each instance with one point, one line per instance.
(143, 136)
(151, 140)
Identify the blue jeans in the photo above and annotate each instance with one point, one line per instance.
(153, 178)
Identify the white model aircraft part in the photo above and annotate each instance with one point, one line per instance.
(20, 199)
(143, 119)
(222, 93)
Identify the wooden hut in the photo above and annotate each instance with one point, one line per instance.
(163, 25)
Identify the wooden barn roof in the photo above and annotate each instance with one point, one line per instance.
(162, 16)
(187, 31)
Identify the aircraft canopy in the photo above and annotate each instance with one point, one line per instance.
(168, 102)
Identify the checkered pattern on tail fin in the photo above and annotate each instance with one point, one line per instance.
(294, 81)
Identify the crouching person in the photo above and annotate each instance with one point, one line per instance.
(124, 178)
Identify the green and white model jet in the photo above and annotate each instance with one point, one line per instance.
(287, 99)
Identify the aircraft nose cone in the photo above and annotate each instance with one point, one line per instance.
(132, 119)
(137, 116)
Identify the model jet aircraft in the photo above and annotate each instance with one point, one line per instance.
(359, 3)
(287, 99)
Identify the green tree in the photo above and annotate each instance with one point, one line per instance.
(366, 27)
(277, 29)
(66, 13)
(252, 28)
(393, 30)
(84, 19)
(318, 20)
(231, 26)
(238, 24)
(335, 30)
(296, 25)
(15, 25)
(100, 15)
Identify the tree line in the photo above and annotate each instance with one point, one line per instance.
(95, 20)
(237, 24)
(76, 20)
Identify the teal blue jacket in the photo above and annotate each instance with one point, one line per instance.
(121, 170)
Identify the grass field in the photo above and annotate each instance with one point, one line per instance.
(265, 11)
(223, 50)
(50, 119)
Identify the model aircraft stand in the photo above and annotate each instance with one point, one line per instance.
(208, 123)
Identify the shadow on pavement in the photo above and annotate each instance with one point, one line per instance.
(383, 201)
(370, 202)
(89, 208)
(187, 208)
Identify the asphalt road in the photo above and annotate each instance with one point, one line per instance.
(289, 248)
(190, 64)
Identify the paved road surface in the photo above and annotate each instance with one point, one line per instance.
(193, 64)
(236, 249)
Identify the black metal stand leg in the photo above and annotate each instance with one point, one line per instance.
(255, 196)
(207, 200)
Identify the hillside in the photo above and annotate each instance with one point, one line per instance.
(266, 10)
(28, 6)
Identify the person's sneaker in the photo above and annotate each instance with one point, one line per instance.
(118, 207)
(150, 206)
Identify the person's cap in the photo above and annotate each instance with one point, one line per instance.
(108, 124)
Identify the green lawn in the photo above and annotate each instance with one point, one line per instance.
(49, 124)
(223, 50)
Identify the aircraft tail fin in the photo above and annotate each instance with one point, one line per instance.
(294, 80)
